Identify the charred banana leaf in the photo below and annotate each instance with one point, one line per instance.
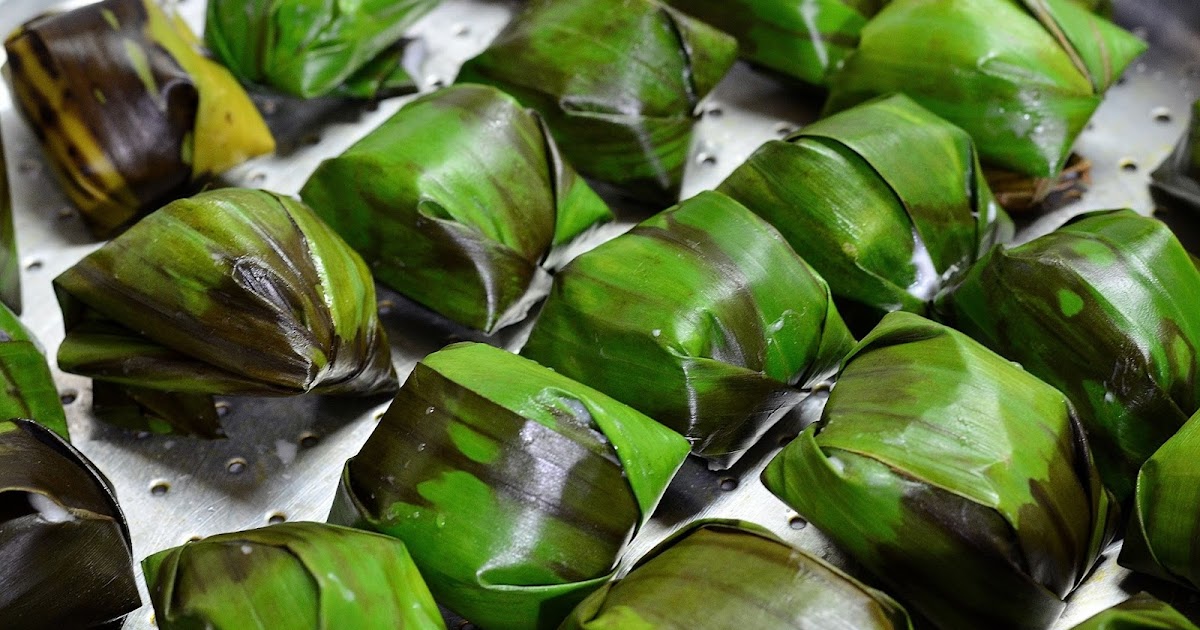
(65, 554)
(962, 482)
(456, 202)
(130, 113)
(1022, 77)
(620, 95)
(1162, 533)
(10, 266)
(1104, 309)
(514, 488)
(311, 48)
(291, 576)
(701, 317)
(1176, 184)
(27, 388)
(806, 40)
(1140, 612)
(233, 291)
(886, 200)
(717, 576)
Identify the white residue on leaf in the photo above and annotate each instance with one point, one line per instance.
(48, 509)
(247, 549)
(286, 451)
(926, 283)
(1109, 397)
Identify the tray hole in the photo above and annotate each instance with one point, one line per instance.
(65, 213)
(715, 111)
(784, 130)
(461, 30)
(386, 307)
(236, 466)
(270, 106)
(728, 484)
(1129, 165)
(223, 409)
(195, 538)
(33, 265)
(707, 159)
(1161, 115)
(797, 523)
(784, 440)
(309, 440)
(257, 179)
(67, 397)
(276, 518)
(435, 82)
(160, 488)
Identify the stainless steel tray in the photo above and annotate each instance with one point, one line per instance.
(283, 457)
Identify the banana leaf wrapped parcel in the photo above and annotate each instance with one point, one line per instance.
(514, 488)
(65, 553)
(1165, 524)
(27, 388)
(1176, 183)
(1021, 76)
(960, 481)
(886, 201)
(700, 317)
(806, 40)
(310, 48)
(232, 292)
(716, 576)
(10, 265)
(1140, 612)
(457, 201)
(621, 100)
(292, 576)
(1103, 309)
(129, 111)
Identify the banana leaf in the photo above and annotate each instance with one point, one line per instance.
(311, 48)
(701, 317)
(456, 202)
(806, 40)
(886, 200)
(233, 291)
(290, 576)
(130, 113)
(10, 265)
(621, 99)
(514, 488)
(1022, 78)
(27, 389)
(1162, 533)
(1104, 309)
(717, 576)
(1140, 612)
(1176, 183)
(960, 481)
(65, 554)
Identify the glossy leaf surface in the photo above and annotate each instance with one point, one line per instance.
(886, 201)
(1022, 78)
(1175, 184)
(701, 317)
(456, 201)
(1140, 612)
(311, 48)
(129, 111)
(717, 576)
(65, 555)
(27, 389)
(290, 576)
(1104, 309)
(619, 94)
(514, 488)
(233, 291)
(10, 265)
(963, 483)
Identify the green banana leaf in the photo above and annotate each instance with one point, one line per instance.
(233, 291)
(1162, 533)
(456, 201)
(159, 120)
(1022, 78)
(1176, 183)
(10, 265)
(311, 48)
(717, 576)
(960, 481)
(27, 389)
(886, 201)
(1104, 310)
(65, 554)
(1140, 612)
(514, 488)
(701, 317)
(290, 576)
(621, 100)
(806, 40)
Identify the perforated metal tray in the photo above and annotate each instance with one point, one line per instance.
(283, 457)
